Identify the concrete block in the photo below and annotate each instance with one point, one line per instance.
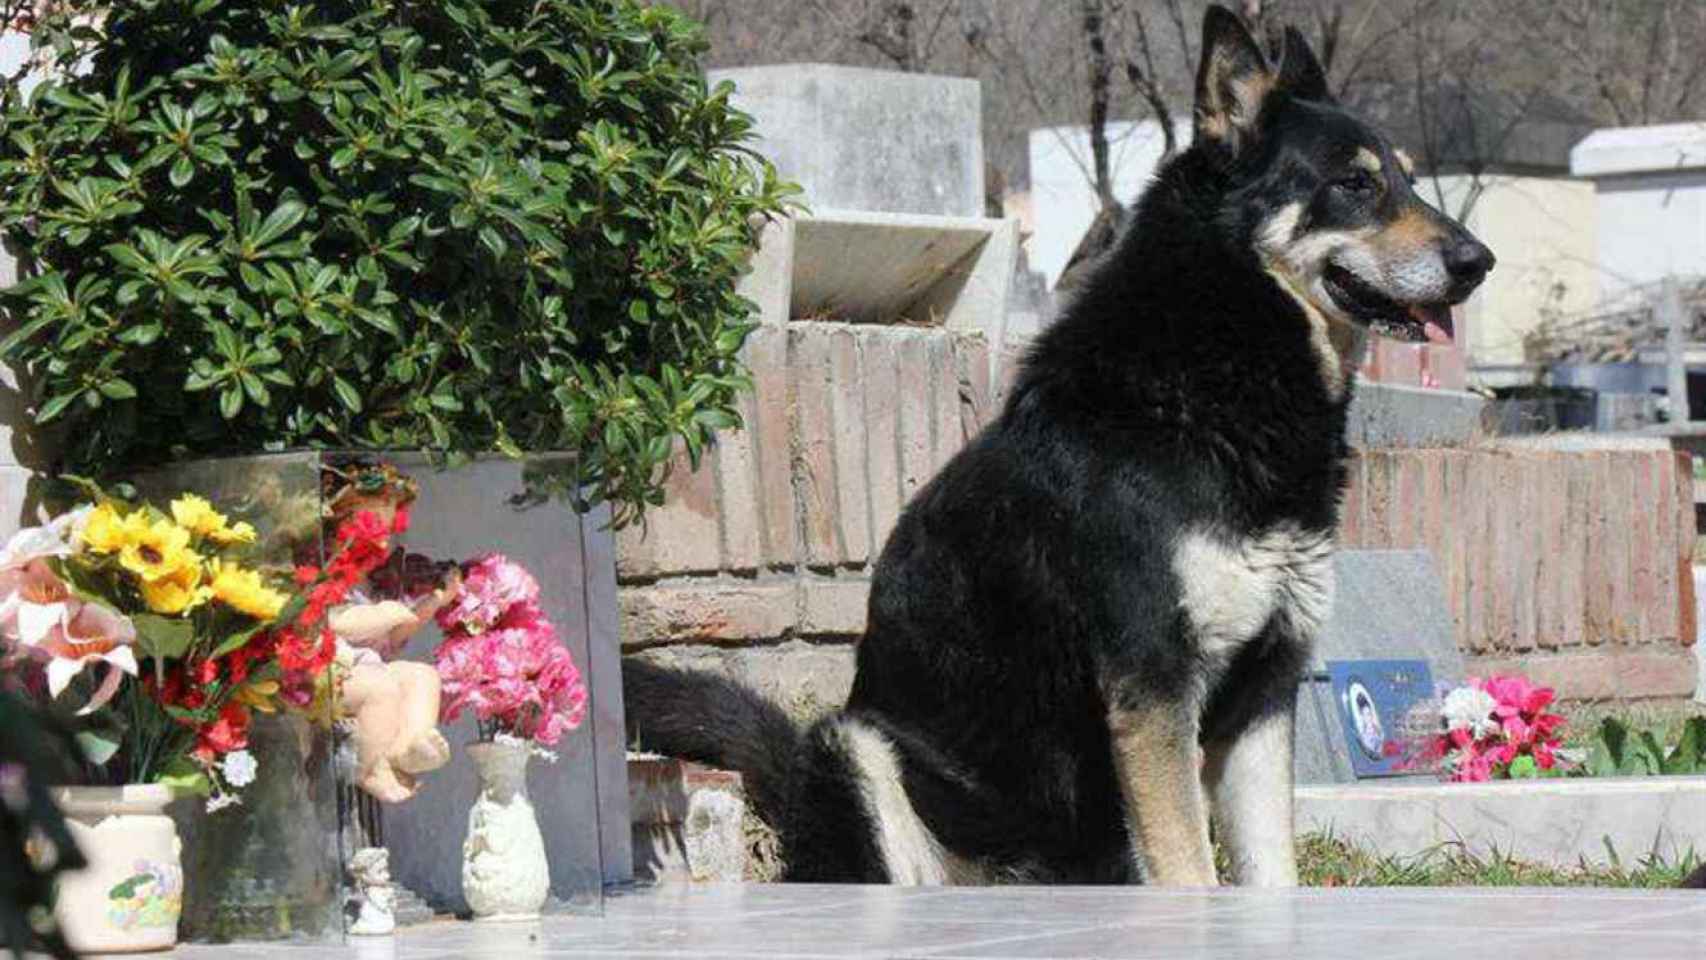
(1555, 822)
(1388, 605)
(1385, 415)
(769, 279)
(946, 431)
(706, 610)
(688, 822)
(868, 139)
(834, 606)
(807, 679)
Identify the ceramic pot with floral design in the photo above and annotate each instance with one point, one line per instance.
(129, 897)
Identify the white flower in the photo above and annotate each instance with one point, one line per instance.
(239, 768)
(220, 801)
(1469, 708)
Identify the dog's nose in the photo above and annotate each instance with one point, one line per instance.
(1468, 261)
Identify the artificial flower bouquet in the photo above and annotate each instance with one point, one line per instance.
(153, 631)
(1492, 729)
(501, 659)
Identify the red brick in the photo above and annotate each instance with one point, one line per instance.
(702, 612)
(1480, 484)
(1609, 673)
(1573, 603)
(1506, 589)
(814, 438)
(1455, 537)
(1687, 615)
(1600, 594)
(1434, 517)
(1552, 593)
(1645, 505)
(1407, 497)
(852, 482)
(766, 354)
(1379, 496)
(917, 413)
(739, 503)
(947, 436)
(882, 410)
(834, 607)
(971, 359)
(1620, 504)
(681, 536)
(1662, 619)
(1350, 506)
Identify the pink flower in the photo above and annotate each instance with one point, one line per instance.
(501, 658)
(81, 635)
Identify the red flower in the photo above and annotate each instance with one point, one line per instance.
(306, 575)
(400, 520)
(206, 672)
(229, 732)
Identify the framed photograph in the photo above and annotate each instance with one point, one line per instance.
(1372, 698)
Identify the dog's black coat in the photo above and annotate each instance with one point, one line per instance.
(1028, 588)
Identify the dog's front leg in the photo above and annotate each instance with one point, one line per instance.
(1155, 758)
(1249, 778)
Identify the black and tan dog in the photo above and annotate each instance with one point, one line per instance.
(1125, 571)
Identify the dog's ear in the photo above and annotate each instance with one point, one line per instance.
(1301, 74)
(1233, 80)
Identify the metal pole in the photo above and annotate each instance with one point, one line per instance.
(1676, 348)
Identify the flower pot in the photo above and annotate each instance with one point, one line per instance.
(504, 873)
(129, 897)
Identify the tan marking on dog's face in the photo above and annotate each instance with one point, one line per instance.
(1411, 231)
(1367, 159)
(1405, 163)
(1298, 263)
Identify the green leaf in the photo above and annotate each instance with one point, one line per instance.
(183, 171)
(284, 218)
(163, 638)
(235, 642)
(118, 388)
(231, 401)
(95, 748)
(1524, 768)
(347, 394)
(181, 773)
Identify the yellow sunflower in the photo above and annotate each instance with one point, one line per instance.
(105, 531)
(156, 551)
(258, 695)
(239, 532)
(177, 592)
(244, 591)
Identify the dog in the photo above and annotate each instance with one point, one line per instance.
(1086, 634)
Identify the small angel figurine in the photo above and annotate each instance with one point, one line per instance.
(392, 705)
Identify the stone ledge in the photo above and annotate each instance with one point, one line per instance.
(1605, 674)
(1558, 822)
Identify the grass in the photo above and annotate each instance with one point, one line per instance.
(1327, 861)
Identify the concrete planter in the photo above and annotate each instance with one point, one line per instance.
(1558, 822)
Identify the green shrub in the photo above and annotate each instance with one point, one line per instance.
(1619, 750)
(456, 226)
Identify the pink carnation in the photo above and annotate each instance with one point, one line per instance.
(501, 658)
(1519, 726)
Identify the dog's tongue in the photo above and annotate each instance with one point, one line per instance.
(1435, 320)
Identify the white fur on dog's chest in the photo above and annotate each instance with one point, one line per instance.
(1231, 587)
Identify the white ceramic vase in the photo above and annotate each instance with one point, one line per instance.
(128, 899)
(504, 873)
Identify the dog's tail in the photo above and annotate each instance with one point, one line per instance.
(1697, 879)
(715, 721)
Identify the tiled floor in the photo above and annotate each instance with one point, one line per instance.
(811, 922)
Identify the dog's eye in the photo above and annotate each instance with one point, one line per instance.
(1359, 182)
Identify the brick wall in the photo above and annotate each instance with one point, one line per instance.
(1572, 566)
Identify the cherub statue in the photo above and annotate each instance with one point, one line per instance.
(391, 705)
(374, 899)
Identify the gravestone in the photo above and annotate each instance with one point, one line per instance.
(873, 140)
(1388, 605)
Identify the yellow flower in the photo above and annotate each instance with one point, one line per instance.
(105, 531)
(196, 515)
(243, 590)
(156, 551)
(240, 532)
(174, 594)
(258, 695)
